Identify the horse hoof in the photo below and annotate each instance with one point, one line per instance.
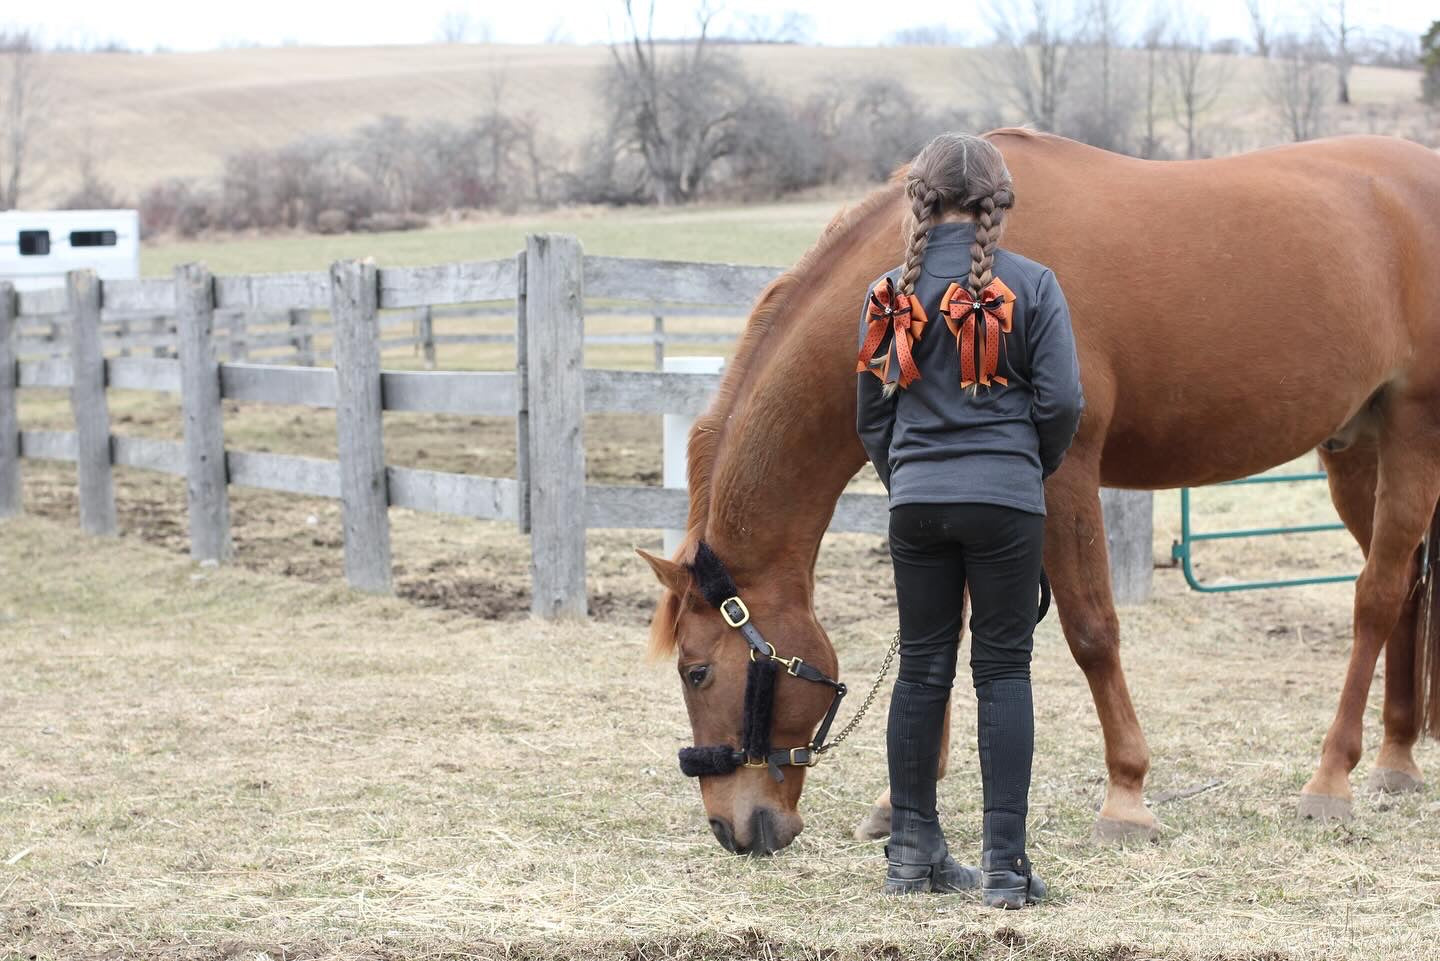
(1390, 781)
(1325, 808)
(875, 825)
(1115, 831)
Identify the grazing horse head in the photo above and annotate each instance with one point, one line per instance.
(750, 809)
(767, 462)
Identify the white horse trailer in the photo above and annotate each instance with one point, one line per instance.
(37, 247)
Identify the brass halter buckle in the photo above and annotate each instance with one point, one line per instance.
(738, 619)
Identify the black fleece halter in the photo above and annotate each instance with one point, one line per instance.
(719, 590)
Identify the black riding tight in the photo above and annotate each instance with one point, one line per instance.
(938, 550)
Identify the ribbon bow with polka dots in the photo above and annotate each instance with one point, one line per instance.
(978, 325)
(892, 310)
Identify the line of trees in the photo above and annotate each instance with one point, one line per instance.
(685, 120)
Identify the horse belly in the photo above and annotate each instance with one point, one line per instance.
(1191, 432)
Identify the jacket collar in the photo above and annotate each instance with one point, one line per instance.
(957, 232)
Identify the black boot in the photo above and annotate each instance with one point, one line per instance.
(944, 877)
(1007, 743)
(918, 857)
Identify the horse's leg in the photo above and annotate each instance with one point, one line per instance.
(1351, 473)
(1077, 560)
(1407, 482)
(876, 822)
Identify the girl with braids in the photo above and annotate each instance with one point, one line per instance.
(969, 396)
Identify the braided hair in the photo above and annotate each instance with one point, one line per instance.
(924, 206)
(989, 225)
(957, 172)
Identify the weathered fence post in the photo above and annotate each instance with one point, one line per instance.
(522, 404)
(206, 494)
(427, 337)
(10, 501)
(122, 328)
(88, 403)
(659, 336)
(554, 334)
(304, 340)
(675, 437)
(354, 305)
(1129, 534)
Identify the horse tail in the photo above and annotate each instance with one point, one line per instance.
(1427, 634)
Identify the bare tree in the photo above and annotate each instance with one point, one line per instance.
(1430, 63)
(1153, 41)
(1103, 98)
(1036, 44)
(1339, 31)
(791, 26)
(1196, 79)
(677, 108)
(1296, 79)
(454, 27)
(1259, 28)
(21, 110)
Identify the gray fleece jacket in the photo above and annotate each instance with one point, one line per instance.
(934, 442)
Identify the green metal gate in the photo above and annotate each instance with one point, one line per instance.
(1180, 551)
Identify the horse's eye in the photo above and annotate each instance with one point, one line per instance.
(696, 675)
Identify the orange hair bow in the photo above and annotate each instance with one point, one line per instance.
(977, 326)
(892, 310)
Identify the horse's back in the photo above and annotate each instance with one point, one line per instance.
(1232, 313)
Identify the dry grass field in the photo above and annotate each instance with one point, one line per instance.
(127, 108)
(241, 762)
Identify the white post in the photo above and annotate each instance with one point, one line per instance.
(676, 434)
(1129, 536)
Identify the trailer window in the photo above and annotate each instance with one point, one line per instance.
(34, 243)
(92, 238)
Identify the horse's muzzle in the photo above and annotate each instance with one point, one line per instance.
(768, 834)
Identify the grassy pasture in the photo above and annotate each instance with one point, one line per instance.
(223, 763)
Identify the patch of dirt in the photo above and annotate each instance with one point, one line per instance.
(479, 598)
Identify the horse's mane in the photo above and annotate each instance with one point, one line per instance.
(706, 436)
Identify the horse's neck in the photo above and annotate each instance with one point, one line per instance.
(789, 449)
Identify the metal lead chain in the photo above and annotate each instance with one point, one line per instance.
(869, 698)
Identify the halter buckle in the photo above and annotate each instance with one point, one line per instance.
(814, 758)
(739, 619)
(792, 665)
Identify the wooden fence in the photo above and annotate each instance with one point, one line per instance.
(300, 336)
(548, 394)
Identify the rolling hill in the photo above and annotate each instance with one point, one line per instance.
(148, 116)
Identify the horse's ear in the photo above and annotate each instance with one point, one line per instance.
(672, 576)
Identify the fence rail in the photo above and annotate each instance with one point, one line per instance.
(548, 394)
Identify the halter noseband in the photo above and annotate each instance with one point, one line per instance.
(720, 591)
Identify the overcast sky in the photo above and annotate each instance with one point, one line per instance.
(191, 25)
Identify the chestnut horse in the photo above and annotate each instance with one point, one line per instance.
(1231, 314)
